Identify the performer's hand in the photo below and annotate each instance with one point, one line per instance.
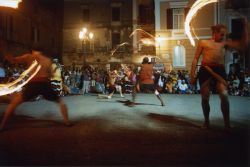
(193, 80)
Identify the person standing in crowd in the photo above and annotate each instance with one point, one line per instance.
(130, 83)
(39, 85)
(2, 73)
(56, 78)
(146, 81)
(86, 81)
(212, 69)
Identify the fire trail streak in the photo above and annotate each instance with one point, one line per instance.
(120, 45)
(192, 12)
(24, 78)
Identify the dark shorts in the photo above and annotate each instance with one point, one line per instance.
(111, 88)
(33, 89)
(147, 88)
(204, 75)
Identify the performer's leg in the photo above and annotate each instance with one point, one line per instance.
(159, 97)
(133, 93)
(119, 89)
(17, 100)
(205, 93)
(64, 112)
(222, 90)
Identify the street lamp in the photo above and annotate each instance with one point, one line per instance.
(84, 36)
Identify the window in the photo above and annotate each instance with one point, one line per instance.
(34, 34)
(179, 58)
(178, 18)
(116, 14)
(146, 14)
(85, 15)
(10, 27)
(236, 27)
(115, 39)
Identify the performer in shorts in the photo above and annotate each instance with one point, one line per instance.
(130, 83)
(113, 79)
(39, 85)
(146, 81)
(212, 71)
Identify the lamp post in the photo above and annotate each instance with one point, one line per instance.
(85, 36)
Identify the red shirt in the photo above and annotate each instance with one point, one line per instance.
(146, 74)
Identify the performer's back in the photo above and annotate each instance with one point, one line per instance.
(146, 74)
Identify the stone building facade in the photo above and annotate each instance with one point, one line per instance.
(175, 50)
(33, 22)
(153, 28)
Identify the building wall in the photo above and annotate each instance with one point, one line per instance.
(170, 37)
(16, 28)
(235, 10)
(100, 16)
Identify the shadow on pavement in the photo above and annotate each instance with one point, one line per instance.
(172, 120)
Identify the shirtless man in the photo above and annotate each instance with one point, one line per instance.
(39, 85)
(212, 69)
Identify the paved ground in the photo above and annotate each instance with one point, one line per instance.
(107, 132)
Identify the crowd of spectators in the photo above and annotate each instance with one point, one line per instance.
(76, 80)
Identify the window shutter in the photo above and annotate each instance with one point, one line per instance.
(169, 19)
(186, 10)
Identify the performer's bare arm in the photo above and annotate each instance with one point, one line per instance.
(243, 42)
(19, 59)
(195, 61)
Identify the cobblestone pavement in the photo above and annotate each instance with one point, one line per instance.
(107, 132)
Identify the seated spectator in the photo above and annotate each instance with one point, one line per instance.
(183, 87)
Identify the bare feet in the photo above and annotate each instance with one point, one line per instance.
(228, 129)
(68, 124)
(205, 126)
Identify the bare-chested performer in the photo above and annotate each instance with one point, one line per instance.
(113, 85)
(39, 85)
(146, 81)
(212, 69)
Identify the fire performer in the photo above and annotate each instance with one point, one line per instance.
(130, 83)
(146, 81)
(39, 85)
(113, 82)
(212, 69)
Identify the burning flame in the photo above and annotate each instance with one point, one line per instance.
(192, 12)
(24, 78)
(10, 3)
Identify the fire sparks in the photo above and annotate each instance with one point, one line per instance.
(10, 3)
(24, 78)
(192, 12)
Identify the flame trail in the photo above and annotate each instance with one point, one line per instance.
(143, 31)
(10, 3)
(120, 45)
(21, 81)
(192, 12)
